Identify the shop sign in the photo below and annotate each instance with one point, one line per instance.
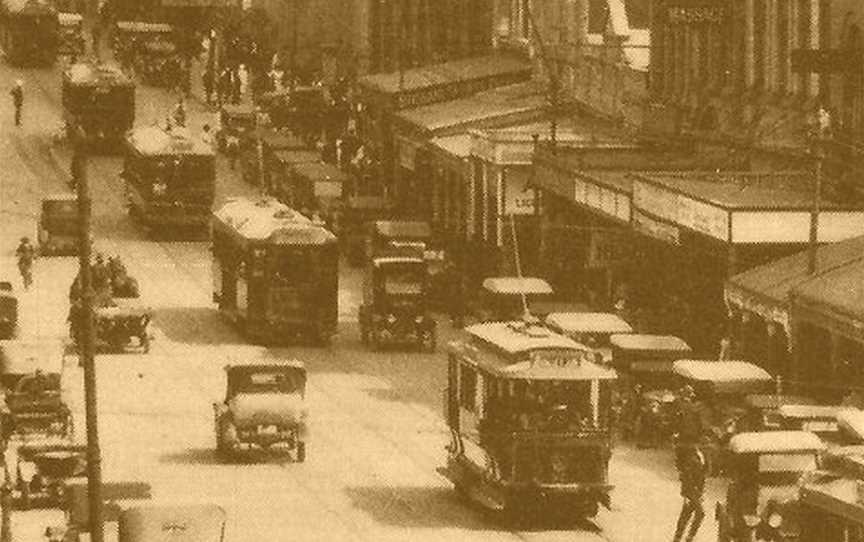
(682, 210)
(519, 197)
(654, 228)
(454, 89)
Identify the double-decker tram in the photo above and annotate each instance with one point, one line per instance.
(275, 273)
(529, 418)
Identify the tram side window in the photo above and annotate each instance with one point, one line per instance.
(468, 388)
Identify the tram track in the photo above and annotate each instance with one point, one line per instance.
(44, 165)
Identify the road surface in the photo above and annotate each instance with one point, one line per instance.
(376, 429)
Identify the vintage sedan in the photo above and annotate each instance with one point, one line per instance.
(264, 406)
(766, 471)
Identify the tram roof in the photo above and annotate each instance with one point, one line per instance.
(636, 341)
(157, 141)
(720, 371)
(269, 220)
(516, 338)
(90, 72)
(587, 322)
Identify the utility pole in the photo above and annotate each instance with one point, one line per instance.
(86, 341)
(821, 126)
(551, 72)
(294, 42)
(91, 24)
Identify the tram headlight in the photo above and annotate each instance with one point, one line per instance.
(160, 188)
(391, 319)
(751, 521)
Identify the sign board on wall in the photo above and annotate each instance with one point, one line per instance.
(656, 229)
(519, 197)
(681, 210)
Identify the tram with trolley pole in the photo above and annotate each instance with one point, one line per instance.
(275, 273)
(529, 414)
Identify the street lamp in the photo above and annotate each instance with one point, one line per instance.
(820, 129)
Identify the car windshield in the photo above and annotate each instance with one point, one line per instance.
(270, 382)
(403, 279)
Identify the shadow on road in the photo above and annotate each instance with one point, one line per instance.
(208, 456)
(435, 507)
(195, 325)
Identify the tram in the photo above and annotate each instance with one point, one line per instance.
(275, 273)
(99, 98)
(529, 414)
(29, 32)
(170, 178)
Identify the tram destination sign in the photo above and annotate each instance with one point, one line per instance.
(548, 359)
(696, 12)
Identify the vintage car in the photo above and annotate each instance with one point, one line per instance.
(116, 495)
(831, 510)
(8, 311)
(301, 108)
(530, 419)
(412, 235)
(256, 160)
(280, 163)
(317, 186)
(819, 419)
(235, 120)
(30, 376)
(264, 406)
(178, 523)
(57, 229)
(647, 383)
(720, 387)
(592, 329)
(357, 212)
(763, 409)
(43, 467)
(765, 471)
(29, 32)
(508, 298)
(123, 326)
(395, 305)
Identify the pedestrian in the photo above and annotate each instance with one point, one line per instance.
(17, 94)
(207, 81)
(207, 136)
(692, 471)
(179, 113)
(25, 253)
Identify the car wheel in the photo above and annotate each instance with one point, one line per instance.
(301, 451)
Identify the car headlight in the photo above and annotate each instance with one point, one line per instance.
(751, 521)
(418, 320)
(391, 318)
(775, 520)
(159, 189)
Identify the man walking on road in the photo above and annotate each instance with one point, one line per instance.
(25, 254)
(17, 94)
(692, 470)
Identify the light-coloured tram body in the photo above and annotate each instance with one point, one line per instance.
(529, 417)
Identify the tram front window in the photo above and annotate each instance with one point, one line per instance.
(552, 407)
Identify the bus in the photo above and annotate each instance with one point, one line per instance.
(529, 414)
(275, 272)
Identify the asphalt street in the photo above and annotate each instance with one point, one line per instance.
(377, 434)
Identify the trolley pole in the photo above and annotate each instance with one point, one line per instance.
(86, 343)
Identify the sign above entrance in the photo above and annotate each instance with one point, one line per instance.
(679, 209)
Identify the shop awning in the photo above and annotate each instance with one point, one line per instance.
(743, 207)
(766, 290)
(508, 104)
(458, 145)
(446, 81)
(836, 298)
